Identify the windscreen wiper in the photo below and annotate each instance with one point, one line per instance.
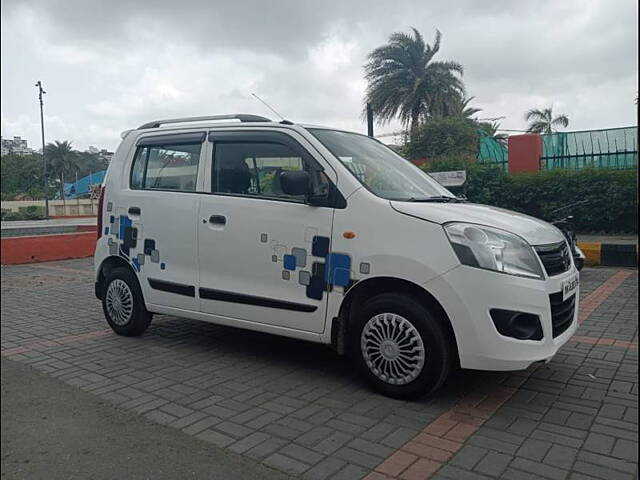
(437, 198)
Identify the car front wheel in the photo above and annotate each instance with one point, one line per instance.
(400, 346)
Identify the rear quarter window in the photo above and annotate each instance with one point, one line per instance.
(166, 167)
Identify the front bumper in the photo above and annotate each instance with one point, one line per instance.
(468, 294)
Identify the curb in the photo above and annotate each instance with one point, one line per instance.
(610, 254)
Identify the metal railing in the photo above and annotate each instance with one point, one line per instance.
(615, 148)
(492, 151)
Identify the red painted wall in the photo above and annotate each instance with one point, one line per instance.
(525, 152)
(45, 248)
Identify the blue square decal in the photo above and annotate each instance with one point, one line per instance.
(124, 223)
(315, 288)
(290, 262)
(320, 246)
(338, 269)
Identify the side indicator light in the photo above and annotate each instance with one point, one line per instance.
(349, 235)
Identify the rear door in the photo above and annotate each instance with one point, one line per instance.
(153, 221)
(261, 252)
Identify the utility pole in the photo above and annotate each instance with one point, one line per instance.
(44, 159)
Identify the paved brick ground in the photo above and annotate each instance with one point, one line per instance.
(299, 408)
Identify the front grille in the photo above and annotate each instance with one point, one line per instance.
(561, 312)
(555, 257)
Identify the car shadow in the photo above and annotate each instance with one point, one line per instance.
(301, 358)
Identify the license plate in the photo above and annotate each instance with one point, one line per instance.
(569, 286)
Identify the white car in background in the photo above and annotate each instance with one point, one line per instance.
(331, 237)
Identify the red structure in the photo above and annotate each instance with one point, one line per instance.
(525, 152)
(45, 248)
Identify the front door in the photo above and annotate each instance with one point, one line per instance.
(261, 252)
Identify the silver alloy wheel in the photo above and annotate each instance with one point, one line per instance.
(392, 348)
(119, 301)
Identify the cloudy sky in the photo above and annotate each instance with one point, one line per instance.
(110, 65)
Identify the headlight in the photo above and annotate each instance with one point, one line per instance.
(493, 249)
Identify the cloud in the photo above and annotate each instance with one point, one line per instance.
(109, 65)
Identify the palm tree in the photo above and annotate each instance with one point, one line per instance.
(543, 121)
(491, 128)
(404, 81)
(460, 107)
(61, 159)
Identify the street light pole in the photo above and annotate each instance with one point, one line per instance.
(44, 160)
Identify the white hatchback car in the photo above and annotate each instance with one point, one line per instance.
(326, 236)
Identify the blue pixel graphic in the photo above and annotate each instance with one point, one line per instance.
(338, 269)
(332, 269)
(320, 246)
(289, 262)
(124, 223)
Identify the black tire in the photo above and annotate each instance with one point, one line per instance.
(435, 340)
(137, 318)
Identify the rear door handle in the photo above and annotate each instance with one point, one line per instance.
(218, 219)
(134, 210)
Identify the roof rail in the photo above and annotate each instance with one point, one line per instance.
(237, 116)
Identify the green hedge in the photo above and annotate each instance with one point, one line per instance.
(611, 194)
(32, 212)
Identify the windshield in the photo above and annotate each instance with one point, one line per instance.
(379, 168)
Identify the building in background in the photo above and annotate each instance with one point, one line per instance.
(102, 153)
(16, 145)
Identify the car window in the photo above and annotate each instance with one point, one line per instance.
(166, 167)
(379, 168)
(253, 168)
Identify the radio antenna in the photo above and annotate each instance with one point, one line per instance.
(267, 105)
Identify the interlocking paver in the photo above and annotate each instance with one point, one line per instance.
(295, 406)
(286, 464)
(561, 457)
(493, 464)
(327, 468)
(217, 438)
(350, 472)
(534, 449)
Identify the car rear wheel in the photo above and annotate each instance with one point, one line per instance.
(400, 346)
(123, 304)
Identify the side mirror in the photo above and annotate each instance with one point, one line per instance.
(295, 182)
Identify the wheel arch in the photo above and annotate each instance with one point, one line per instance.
(370, 287)
(108, 264)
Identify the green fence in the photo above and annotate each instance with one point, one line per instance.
(610, 148)
(491, 150)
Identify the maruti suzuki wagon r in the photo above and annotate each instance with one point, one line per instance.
(331, 237)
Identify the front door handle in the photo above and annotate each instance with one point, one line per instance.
(134, 210)
(218, 219)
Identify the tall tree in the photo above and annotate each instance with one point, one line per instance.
(21, 176)
(460, 107)
(492, 129)
(543, 121)
(405, 82)
(61, 160)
